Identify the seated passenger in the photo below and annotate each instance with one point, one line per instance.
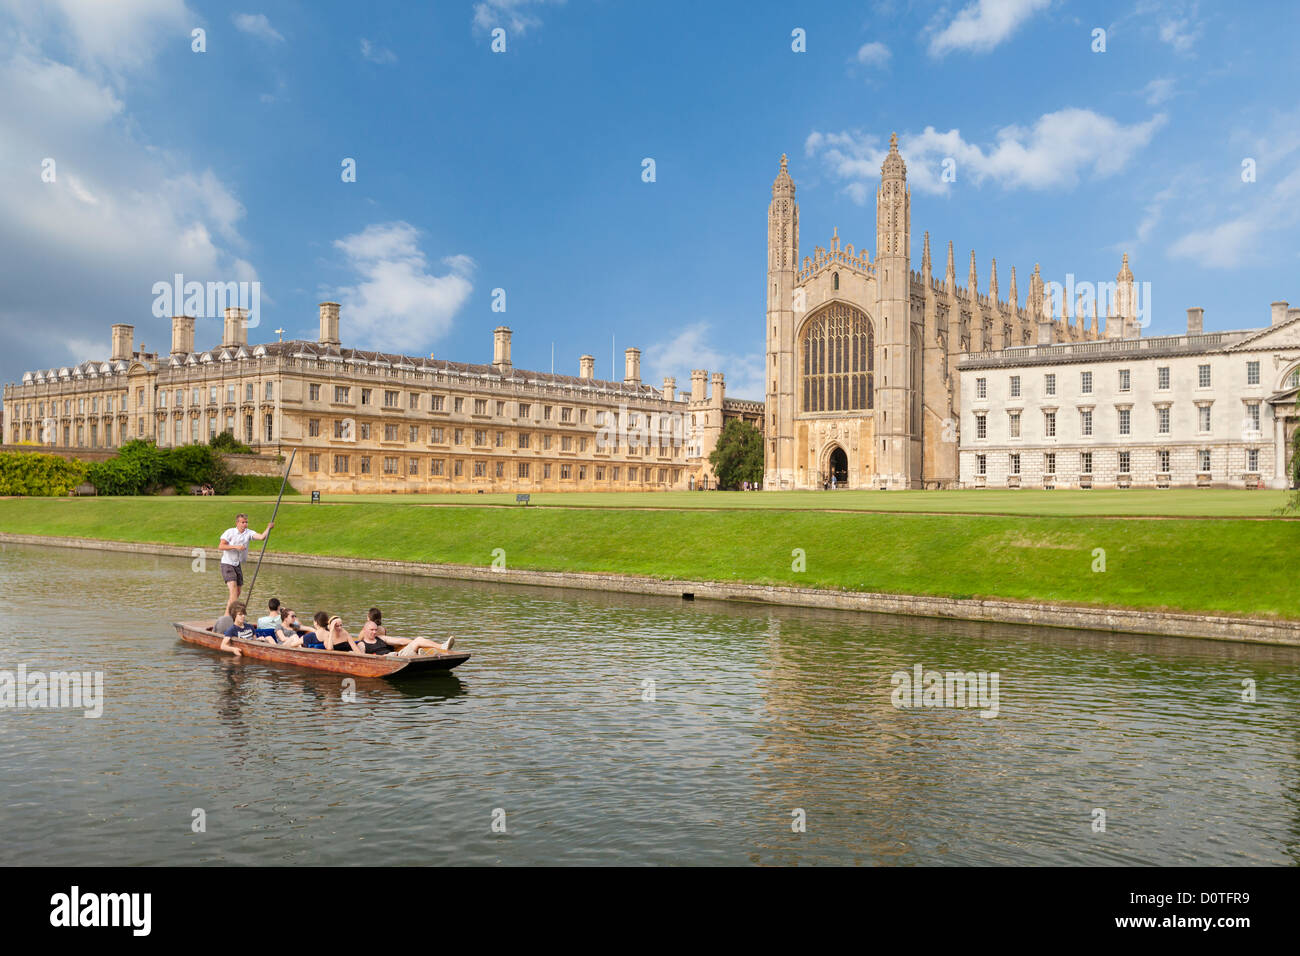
(271, 620)
(319, 633)
(290, 632)
(238, 628)
(338, 639)
(373, 643)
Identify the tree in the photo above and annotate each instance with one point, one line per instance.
(739, 454)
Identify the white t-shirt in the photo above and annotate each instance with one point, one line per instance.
(240, 539)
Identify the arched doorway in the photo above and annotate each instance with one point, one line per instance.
(838, 467)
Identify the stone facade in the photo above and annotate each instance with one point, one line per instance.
(1200, 409)
(862, 354)
(377, 422)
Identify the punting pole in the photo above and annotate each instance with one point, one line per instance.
(252, 584)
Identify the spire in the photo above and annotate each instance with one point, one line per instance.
(993, 283)
(972, 280)
(1015, 296)
(1125, 273)
(1036, 294)
(925, 256)
(835, 239)
(783, 186)
(893, 166)
(950, 275)
(1094, 316)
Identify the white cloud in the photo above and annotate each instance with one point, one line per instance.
(257, 25)
(514, 15)
(1243, 236)
(1159, 90)
(1181, 34)
(82, 252)
(982, 25)
(874, 54)
(105, 39)
(376, 54)
(1054, 152)
(689, 349)
(397, 303)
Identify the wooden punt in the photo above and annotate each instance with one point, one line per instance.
(337, 662)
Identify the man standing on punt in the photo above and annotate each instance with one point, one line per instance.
(234, 549)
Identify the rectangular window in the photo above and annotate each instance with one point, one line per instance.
(342, 393)
(162, 401)
(614, 474)
(600, 474)
(981, 388)
(525, 410)
(1204, 456)
(1013, 422)
(313, 463)
(582, 416)
(412, 466)
(501, 439)
(1049, 463)
(230, 394)
(1252, 414)
(365, 464)
(1125, 421)
(1124, 460)
(546, 442)
(1252, 373)
(435, 436)
(435, 403)
(459, 435)
(414, 401)
(480, 437)
(1252, 459)
(1085, 383)
(212, 395)
(1085, 422)
(391, 464)
(390, 433)
(480, 406)
(631, 474)
(1203, 376)
(340, 430)
(566, 414)
(981, 426)
(1162, 420)
(566, 471)
(413, 433)
(390, 399)
(458, 468)
(1125, 380)
(270, 390)
(523, 439)
(546, 471)
(365, 396)
(1049, 384)
(365, 431)
(500, 469)
(1203, 417)
(1015, 464)
(480, 469)
(248, 391)
(981, 464)
(1015, 386)
(1049, 424)
(501, 409)
(1162, 377)
(437, 467)
(522, 470)
(546, 413)
(313, 393)
(1085, 463)
(566, 443)
(459, 405)
(341, 464)
(1164, 462)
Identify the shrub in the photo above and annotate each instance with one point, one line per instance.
(37, 475)
(257, 485)
(224, 441)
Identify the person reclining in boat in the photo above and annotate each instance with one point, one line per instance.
(375, 620)
(336, 638)
(372, 643)
(290, 633)
(239, 628)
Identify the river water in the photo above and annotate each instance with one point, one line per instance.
(603, 728)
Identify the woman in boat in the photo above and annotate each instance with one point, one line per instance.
(318, 636)
(338, 639)
(289, 634)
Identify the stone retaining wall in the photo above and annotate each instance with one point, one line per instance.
(1175, 624)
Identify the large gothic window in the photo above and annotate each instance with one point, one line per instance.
(837, 356)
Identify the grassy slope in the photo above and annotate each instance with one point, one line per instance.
(1236, 567)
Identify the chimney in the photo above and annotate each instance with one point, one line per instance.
(699, 385)
(123, 336)
(718, 389)
(1045, 329)
(632, 362)
(670, 389)
(587, 366)
(329, 324)
(1279, 312)
(1292, 314)
(501, 349)
(1195, 321)
(236, 330)
(182, 334)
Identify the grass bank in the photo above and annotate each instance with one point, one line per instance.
(1242, 567)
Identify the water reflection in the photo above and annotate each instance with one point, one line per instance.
(613, 728)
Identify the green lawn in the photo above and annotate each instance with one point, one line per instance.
(1228, 566)
(1182, 502)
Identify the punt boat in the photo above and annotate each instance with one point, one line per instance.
(337, 662)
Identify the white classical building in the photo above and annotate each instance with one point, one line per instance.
(1200, 409)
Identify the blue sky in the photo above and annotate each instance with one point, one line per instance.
(522, 170)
